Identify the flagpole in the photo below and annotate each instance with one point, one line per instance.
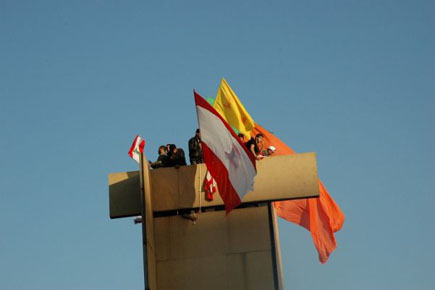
(144, 224)
(199, 187)
(276, 252)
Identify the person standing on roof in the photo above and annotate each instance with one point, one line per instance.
(162, 159)
(176, 156)
(195, 149)
(255, 146)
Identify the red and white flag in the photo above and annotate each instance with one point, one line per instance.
(209, 186)
(137, 148)
(227, 158)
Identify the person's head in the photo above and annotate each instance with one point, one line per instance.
(259, 137)
(198, 133)
(241, 137)
(162, 150)
(172, 148)
(271, 150)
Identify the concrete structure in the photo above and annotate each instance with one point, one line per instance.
(218, 251)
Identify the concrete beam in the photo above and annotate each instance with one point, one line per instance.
(278, 178)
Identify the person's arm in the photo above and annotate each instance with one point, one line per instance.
(257, 157)
(252, 148)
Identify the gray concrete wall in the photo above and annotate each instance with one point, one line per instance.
(218, 252)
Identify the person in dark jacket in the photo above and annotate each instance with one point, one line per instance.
(176, 156)
(162, 160)
(195, 149)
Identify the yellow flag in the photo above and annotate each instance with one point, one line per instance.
(232, 110)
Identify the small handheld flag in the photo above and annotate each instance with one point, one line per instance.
(136, 148)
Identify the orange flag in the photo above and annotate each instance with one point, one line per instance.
(321, 216)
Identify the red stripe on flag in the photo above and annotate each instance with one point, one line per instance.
(130, 152)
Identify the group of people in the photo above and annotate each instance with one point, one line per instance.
(172, 156)
(169, 156)
(256, 146)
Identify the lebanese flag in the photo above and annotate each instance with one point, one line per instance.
(226, 157)
(136, 148)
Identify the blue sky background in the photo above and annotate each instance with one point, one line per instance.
(353, 81)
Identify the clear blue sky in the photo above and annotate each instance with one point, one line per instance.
(353, 81)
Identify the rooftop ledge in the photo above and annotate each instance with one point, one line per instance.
(278, 178)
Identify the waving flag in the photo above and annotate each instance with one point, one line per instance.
(232, 110)
(321, 216)
(226, 157)
(136, 148)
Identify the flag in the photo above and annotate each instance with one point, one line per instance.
(226, 157)
(321, 215)
(137, 148)
(209, 186)
(232, 110)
